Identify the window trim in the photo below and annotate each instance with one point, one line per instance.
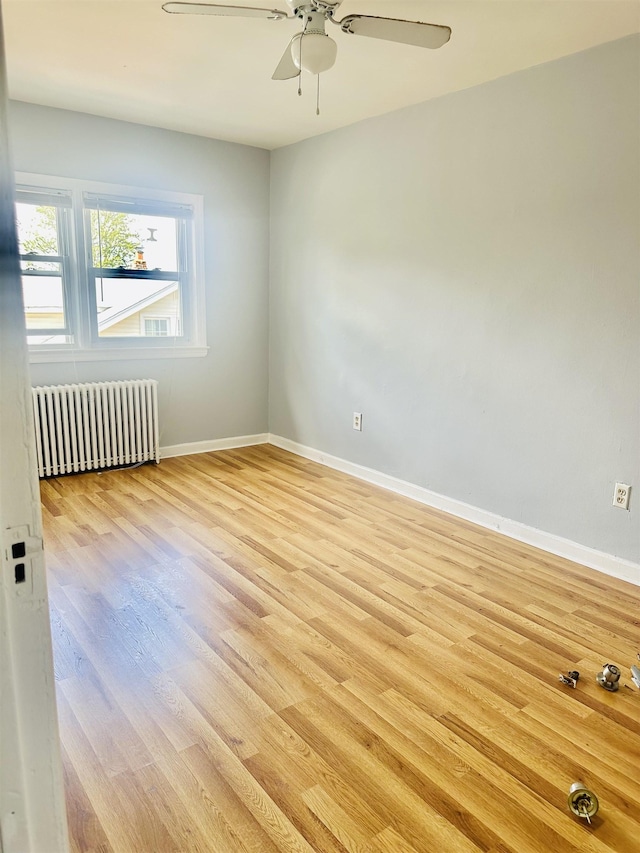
(88, 346)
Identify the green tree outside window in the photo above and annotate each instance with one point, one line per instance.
(113, 239)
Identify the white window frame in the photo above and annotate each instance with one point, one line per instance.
(88, 346)
(62, 203)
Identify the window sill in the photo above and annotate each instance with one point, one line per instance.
(113, 354)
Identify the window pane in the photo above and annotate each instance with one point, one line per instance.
(43, 302)
(28, 265)
(123, 304)
(34, 338)
(37, 229)
(133, 241)
(156, 327)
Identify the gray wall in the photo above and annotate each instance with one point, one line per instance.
(466, 274)
(225, 393)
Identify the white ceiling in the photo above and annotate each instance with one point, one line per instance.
(128, 59)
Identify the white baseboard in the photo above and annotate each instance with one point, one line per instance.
(213, 444)
(616, 567)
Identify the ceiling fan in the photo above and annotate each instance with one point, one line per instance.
(312, 50)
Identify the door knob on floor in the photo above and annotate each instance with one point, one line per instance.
(582, 801)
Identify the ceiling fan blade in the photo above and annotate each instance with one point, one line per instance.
(394, 29)
(179, 8)
(287, 68)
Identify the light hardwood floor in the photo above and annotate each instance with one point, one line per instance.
(256, 653)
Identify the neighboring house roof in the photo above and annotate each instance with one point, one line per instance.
(110, 316)
(115, 314)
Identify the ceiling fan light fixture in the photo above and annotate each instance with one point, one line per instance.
(314, 52)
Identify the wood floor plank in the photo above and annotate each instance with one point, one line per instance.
(352, 835)
(257, 654)
(242, 832)
(329, 732)
(87, 834)
(388, 841)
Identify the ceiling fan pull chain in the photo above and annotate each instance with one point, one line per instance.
(318, 98)
(300, 74)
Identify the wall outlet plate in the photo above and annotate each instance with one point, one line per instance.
(357, 421)
(621, 495)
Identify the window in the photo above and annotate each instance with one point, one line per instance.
(43, 225)
(109, 271)
(156, 327)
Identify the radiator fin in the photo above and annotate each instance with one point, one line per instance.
(95, 425)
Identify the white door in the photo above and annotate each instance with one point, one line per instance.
(32, 807)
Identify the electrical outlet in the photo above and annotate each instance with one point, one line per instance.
(621, 495)
(357, 421)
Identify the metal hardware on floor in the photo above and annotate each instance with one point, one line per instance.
(609, 677)
(570, 679)
(583, 802)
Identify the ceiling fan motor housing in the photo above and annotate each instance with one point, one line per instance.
(325, 7)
